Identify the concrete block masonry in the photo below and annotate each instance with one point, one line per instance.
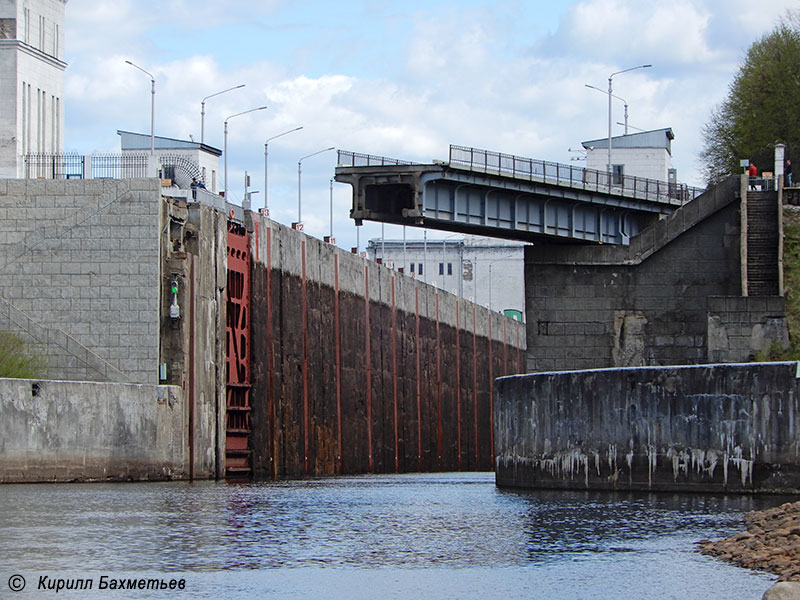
(77, 252)
(82, 431)
(710, 428)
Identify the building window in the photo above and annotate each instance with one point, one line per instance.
(441, 268)
(618, 172)
(29, 134)
(449, 268)
(419, 268)
(42, 98)
(412, 267)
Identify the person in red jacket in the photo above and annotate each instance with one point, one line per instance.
(753, 173)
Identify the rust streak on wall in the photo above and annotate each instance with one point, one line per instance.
(475, 383)
(438, 386)
(368, 364)
(337, 333)
(394, 382)
(273, 466)
(419, 382)
(491, 395)
(303, 292)
(191, 369)
(458, 384)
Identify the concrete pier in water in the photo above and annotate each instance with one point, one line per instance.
(708, 428)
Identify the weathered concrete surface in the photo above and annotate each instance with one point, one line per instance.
(358, 368)
(711, 428)
(87, 268)
(677, 295)
(193, 249)
(79, 431)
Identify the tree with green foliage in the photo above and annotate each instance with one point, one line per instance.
(18, 359)
(762, 107)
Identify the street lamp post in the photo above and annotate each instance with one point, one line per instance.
(624, 102)
(490, 285)
(225, 142)
(152, 106)
(299, 178)
(610, 77)
(330, 236)
(266, 164)
(203, 110)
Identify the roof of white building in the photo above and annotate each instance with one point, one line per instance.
(657, 138)
(141, 141)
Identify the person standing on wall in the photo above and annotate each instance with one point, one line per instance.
(787, 171)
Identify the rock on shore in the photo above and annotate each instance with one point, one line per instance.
(771, 542)
(783, 590)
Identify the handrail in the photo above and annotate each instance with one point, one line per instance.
(347, 158)
(529, 169)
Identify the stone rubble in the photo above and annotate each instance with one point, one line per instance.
(771, 542)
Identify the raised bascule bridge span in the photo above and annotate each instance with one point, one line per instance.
(500, 195)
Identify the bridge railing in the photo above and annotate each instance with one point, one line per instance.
(356, 159)
(530, 169)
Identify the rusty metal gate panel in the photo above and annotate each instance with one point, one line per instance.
(237, 452)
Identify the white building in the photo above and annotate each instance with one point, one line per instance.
(643, 154)
(31, 81)
(201, 156)
(487, 271)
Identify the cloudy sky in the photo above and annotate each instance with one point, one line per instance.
(398, 79)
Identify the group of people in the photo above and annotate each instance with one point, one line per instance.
(752, 172)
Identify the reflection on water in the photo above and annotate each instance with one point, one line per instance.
(395, 531)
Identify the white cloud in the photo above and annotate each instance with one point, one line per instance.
(637, 32)
(470, 74)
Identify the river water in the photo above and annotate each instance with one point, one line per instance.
(386, 536)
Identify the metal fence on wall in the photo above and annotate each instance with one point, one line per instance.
(119, 166)
(77, 166)
(54, 166)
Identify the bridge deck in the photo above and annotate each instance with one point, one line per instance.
(501, 195)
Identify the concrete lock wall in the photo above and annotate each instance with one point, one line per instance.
(81, 431)
(79, 269)
(711, 428)
(674, 296)
(192, 346)
(358, 368)
(87, 270)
